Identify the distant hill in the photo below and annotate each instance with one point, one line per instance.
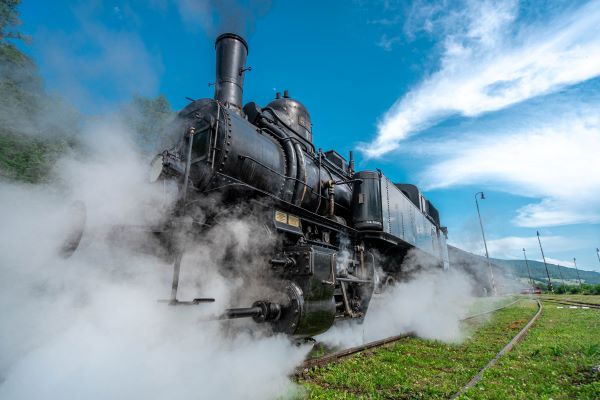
(476, 267)
(538, 271)
(504, 270)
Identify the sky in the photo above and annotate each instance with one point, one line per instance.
(457, 97)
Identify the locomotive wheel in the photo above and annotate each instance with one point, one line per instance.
(76, 220)
(389, 282)
(386, 284)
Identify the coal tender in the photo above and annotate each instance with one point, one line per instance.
(342, 234)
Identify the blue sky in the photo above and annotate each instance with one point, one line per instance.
(458, 96)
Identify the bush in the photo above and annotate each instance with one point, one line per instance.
(575, 289)
(593, 289)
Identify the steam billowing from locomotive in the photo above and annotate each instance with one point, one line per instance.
(338, 234)
(256, 219)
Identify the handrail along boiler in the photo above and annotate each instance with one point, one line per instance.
(340, 229)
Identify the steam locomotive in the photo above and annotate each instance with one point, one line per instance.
(342, 234)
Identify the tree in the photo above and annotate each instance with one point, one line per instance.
(9, 18)
(35, 128)
(149, 119)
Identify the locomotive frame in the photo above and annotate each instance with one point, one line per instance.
(343, 233)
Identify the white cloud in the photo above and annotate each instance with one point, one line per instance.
(562, 263)
(555, 160)
(511, 247)
(486, 66)
(387, 43)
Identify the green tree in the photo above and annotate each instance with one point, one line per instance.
(149, 118)
(35, 129)
(9, 19)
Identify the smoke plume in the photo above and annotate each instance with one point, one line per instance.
(216, 17)
(90, 326)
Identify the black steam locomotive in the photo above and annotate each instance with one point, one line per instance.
(342, 233)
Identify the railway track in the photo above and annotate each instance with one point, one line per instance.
(342, 354)
(570, 302)
(518, 337)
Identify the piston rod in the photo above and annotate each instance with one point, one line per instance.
(247, 312)
(260, 311)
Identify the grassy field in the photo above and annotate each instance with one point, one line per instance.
(554, 361)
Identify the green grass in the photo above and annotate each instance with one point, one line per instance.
(416, 368)
(555, 360)
(490, 303)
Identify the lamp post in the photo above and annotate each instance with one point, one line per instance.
(487, 256)
(527, 265)
(575, 264)
(545, 265)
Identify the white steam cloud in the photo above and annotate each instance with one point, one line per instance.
(489, 63)
(90, 326)
(430, 305)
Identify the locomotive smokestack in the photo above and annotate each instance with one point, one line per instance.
(231, 58)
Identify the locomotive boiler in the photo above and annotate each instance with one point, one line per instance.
(342, 234)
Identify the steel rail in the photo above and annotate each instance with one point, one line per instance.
(518, 337)
(545, 297)
(333, 357)
(572, 303)
(490, 311)
(329, 358)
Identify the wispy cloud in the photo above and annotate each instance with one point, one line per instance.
(511, 247)
(490, 61)
(387, 43)
(554, 160)
(562, 263)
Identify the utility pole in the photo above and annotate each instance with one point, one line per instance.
(487, 256)
(560, 273)
(575, 264)
(545, 265)
(528, 272)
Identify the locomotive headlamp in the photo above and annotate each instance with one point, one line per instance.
(293, 221)
(280, 216)
(288, 219)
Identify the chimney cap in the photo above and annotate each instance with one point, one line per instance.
(232, 36)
